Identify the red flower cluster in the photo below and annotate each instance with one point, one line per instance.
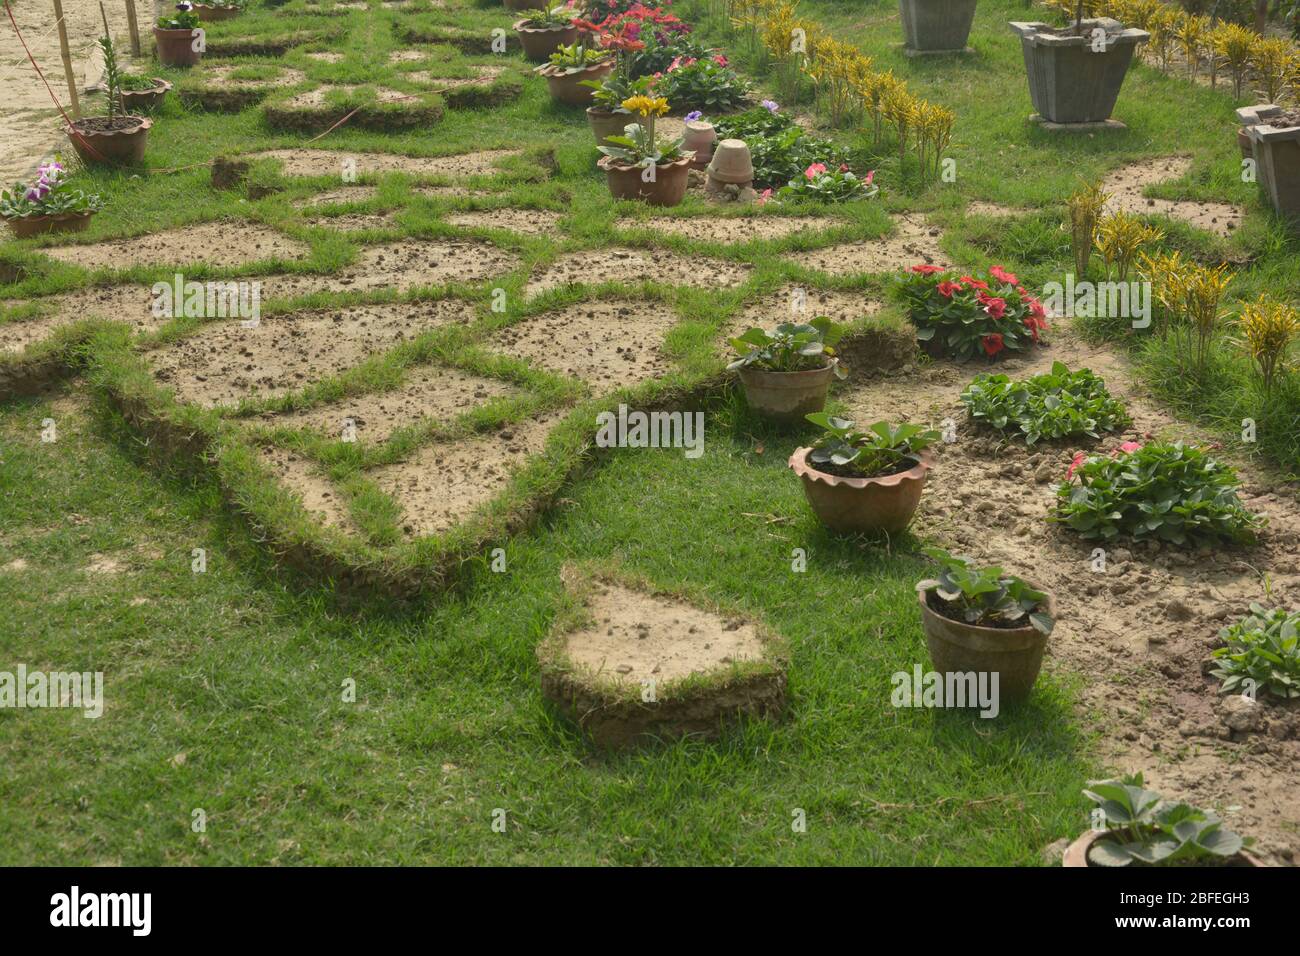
(970, 315)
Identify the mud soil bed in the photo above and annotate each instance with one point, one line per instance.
(228, 242)
(1139, 633)
(912, 241)
(634, 265)
(319, 162)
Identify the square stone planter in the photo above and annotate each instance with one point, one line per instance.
(936, 26)
(1072, 79)
(1275, 138)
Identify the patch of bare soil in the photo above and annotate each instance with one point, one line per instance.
(331, 197)
(794, 303)
(227, 242)
(316, 492)
(127, 303)
(528, 222)
(1139, 632)
(225, 362)
(434, 392)
(634, 265)
(319, 97)
(326, 56)
(1126, 184)
(355, 221)
(992, 209)
(635, 637)
(407, 56)
(405, 265)
(608, 345)
(443, 192)
(219, 76)
(320, 162)
(731, 229)
(486, 74)
(444, 483)
(913, 241)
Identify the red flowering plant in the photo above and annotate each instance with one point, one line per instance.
(967, 315)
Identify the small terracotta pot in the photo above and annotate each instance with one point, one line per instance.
(668, 188)
(607, 123)
(525, 4)
(1076, 854)
(145, 101)
(862, 505)
(540, 42)
(731, 162)
(209, 14)
(787, 396)
(29, 226)
(1244, 144)
(699, 138)
(175, 47)
(114, 146)
(1015, 653)
(565, 85)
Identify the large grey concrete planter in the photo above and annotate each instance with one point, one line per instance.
(936, 26)
(1069, 81)
(1277, 156)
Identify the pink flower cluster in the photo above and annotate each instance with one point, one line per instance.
(48, 177)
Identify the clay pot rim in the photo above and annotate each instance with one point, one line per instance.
(608, 162)
(551, 70)
(1048, 605)
(56, 217)
(519, 27)
(799, 464)
(159, 86)
(169, 31)
(1076, 854)
(145, 123)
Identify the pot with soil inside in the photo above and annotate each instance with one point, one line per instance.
(981, 620)
(50, 203)
(542, 34)
(638, 165)
(864, 482)
(1275, 142)
(116, 138)
(606, 123)
(1134, 826)
(787, 371)
(936, 26)
(176, 37)
(143, 94)
(1075, 73)
(217, 12)
(570, 68)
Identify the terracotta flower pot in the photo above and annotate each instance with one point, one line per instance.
(1076, 854)
(862, 505)
(787, 396)
(210, 14)
(176, 47)
(540, 42)
(699, 138)
(29, 226)
(668, 188)
(731, 162)
(1014, 653)
(113, 146)
(525, 4)
(565, 85)
(607, 123)
(144, 101)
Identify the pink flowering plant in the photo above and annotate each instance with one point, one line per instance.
(51, 193)
(820, 184)
(704, 83)
(1160, 491)
(970, 315)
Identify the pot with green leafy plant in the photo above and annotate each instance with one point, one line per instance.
(214, 11)
(179, 38)
(1134, 826)
(639, 165)
(570, 66)
(50, 203)
(986, 621)
(1055, 405)
(544, 32)
(142, 94)
(864, 482)
(787, 371)
(607, 115)
(116, 137)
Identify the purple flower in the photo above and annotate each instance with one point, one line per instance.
(693, 115)
(33, 195)
(184, 7)
(769, 105)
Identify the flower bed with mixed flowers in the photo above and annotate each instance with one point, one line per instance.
(965, 315)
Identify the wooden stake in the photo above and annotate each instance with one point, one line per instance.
(67, 59)
(133, 26)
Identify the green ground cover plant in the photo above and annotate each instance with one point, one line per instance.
(1056, 404)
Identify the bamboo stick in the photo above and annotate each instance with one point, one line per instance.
(67, 59)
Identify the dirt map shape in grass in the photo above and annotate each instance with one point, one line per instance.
(1126, 184)
(636, 265)
(225, 242)
(317, 494)
(913, 241)
(321, 162)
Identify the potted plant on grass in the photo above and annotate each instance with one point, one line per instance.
(786, 372)
(984, 620)
(1075, 72)
(214, 11)
(569, 66)
(864, 482)
(1137, 827)
(936, 26)
(607, 115)
(638, 165)
(542, 33)
(179, 38)
(116, 137)
(1274, 135)
(142, 93)
(51, 203)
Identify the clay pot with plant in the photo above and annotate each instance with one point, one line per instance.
(50, 203)
(639, 165)
(176, 38)
(142, 94)
(215, 11)
(1075, 72)
(983, 620)
(1134, 826)
(544, 32)
(787, 371)
(117, 137)
(866, 482)
(570, 67)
